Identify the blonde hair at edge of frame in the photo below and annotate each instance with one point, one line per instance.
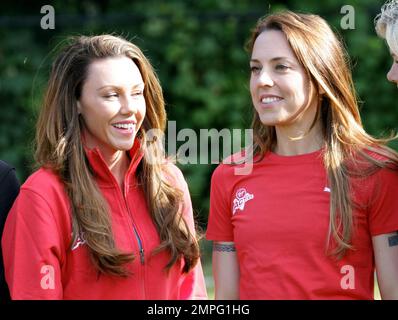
(346, 144)
(59, 147)
(387, 24)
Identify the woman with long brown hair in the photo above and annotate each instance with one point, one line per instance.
(387, 28)
(106, 216)
(318, 212)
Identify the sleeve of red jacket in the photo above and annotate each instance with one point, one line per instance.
(193, 286)
(32, 249)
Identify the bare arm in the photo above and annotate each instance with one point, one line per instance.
(385, 248)
(225, 271)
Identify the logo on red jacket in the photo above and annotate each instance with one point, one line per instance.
(79, 241)
(241, 197)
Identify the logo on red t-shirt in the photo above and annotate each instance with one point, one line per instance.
(241, 197)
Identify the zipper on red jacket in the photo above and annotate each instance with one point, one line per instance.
(142, 255)
(137, 236)
(139, 241)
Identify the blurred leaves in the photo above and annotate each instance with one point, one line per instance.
(197, 49)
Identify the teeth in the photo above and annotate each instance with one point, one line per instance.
(129, 126)
(270, 99)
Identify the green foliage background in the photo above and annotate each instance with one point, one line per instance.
(197, 50)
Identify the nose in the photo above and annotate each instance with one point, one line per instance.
(392, 75)
(265, 79)
(129, 105)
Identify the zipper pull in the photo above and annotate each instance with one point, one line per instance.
(142, 256)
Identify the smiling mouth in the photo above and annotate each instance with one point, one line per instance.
(269, 100)
(124, 126)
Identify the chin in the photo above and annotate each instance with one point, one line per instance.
(123, 146)
(269, 122)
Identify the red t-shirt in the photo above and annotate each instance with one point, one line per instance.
(278, 218)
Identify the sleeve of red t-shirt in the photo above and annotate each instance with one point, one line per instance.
(219, 227)
(383, 209)
(32, 249)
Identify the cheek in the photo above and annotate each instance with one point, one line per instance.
(252, 86)
(94, 126)
(394, 72)
(142, 110)
(97, 116)
(253, 93)
(89, 117)
(301, 91)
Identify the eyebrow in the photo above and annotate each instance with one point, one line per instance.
(136, 86)
(272, 60)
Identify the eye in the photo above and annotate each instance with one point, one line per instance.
(137, 93)
(255, 69)
(111, 95)
(281, 67)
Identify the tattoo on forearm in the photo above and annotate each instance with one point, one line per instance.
(224, 247)
(393, 240)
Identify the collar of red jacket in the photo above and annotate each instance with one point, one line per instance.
(101, 171)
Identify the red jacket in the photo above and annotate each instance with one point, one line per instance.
(40, 265)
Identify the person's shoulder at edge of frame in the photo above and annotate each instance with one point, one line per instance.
(4, 168)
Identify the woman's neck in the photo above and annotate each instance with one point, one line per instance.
(118, 163)
(294, 141)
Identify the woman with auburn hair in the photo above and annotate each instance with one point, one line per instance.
(387, 28)
(318, 212)
(106, 216)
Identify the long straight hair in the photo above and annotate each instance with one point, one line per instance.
(347, 146)
(59, 147)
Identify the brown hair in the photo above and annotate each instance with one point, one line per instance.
(59, 147)
(346, 144)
